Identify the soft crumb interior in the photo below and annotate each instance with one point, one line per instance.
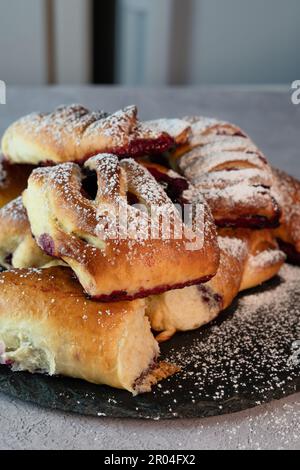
(180, 310)
(138, 350)
(22, 354)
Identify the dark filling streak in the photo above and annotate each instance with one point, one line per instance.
(254, 222)
(174, 187)
(117, 296)
(132, 199)
(136, 148)
(163, 159)
(46, 243)
(209, 297)
(141, 147)
(139, 381)
(258, 222)
(293, 256)
(8, 259)
(89, 185)
(239, 134)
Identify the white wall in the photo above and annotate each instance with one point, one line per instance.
(24, 54)
(73, 41)
(160, 41)
(244, 41)
(209, 41)
(22, 42)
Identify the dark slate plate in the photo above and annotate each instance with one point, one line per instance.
(249, 356)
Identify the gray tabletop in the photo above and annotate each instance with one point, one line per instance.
(273, 122)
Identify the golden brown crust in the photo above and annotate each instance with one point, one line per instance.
(265, 258)
(73, 134)
(68, 225)
(231, 172)
(288, 233)
(248, 258)
(178, 129)
(13, 180)
(47, 324)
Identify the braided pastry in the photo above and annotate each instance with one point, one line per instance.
(73, 134)
(13, 180)
(48, 325)
(75, 226)
(288, 234)
(231, 172)
(248, 258)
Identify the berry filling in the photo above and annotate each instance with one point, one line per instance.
(46, 243)
(293, 256)
(174, 187)
(89, 185)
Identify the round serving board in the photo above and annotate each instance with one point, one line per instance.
(249, 356)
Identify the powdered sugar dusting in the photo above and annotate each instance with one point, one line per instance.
(267, 258)
(174, 127)
(14, 211)
(74, 133)
(228, 168)
(246, 353)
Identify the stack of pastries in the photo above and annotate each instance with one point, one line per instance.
(81, 297)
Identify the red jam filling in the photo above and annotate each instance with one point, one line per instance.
(46, 243)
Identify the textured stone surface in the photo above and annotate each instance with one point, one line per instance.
(273, 123)
(250, 355)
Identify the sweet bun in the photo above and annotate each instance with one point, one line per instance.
(288, 234)
(192, 307)
(248, 258)
(231, 172)
(73, 134)
(13, 180)
(72, 218)
(265, 257)
(48, 325)
(17, 246)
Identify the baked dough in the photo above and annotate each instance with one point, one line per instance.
(248, 258)
(231, 172)
(48, 325)
(73, 134)
(69, 224)
(18, 248)
(288, 234)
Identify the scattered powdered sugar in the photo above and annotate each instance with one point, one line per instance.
(80, 126)
(227, 166)
(14, 211)
(174, 127)
(233, 246)
(246, 352)
(267, 258)
(246, 196)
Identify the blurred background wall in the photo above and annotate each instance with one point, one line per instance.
(149, 42)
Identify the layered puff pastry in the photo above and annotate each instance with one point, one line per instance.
(73, 216)
(248, 259)
(288, 234)
(48, 325)
(231, 172)
(74, 133)
(13, 180)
